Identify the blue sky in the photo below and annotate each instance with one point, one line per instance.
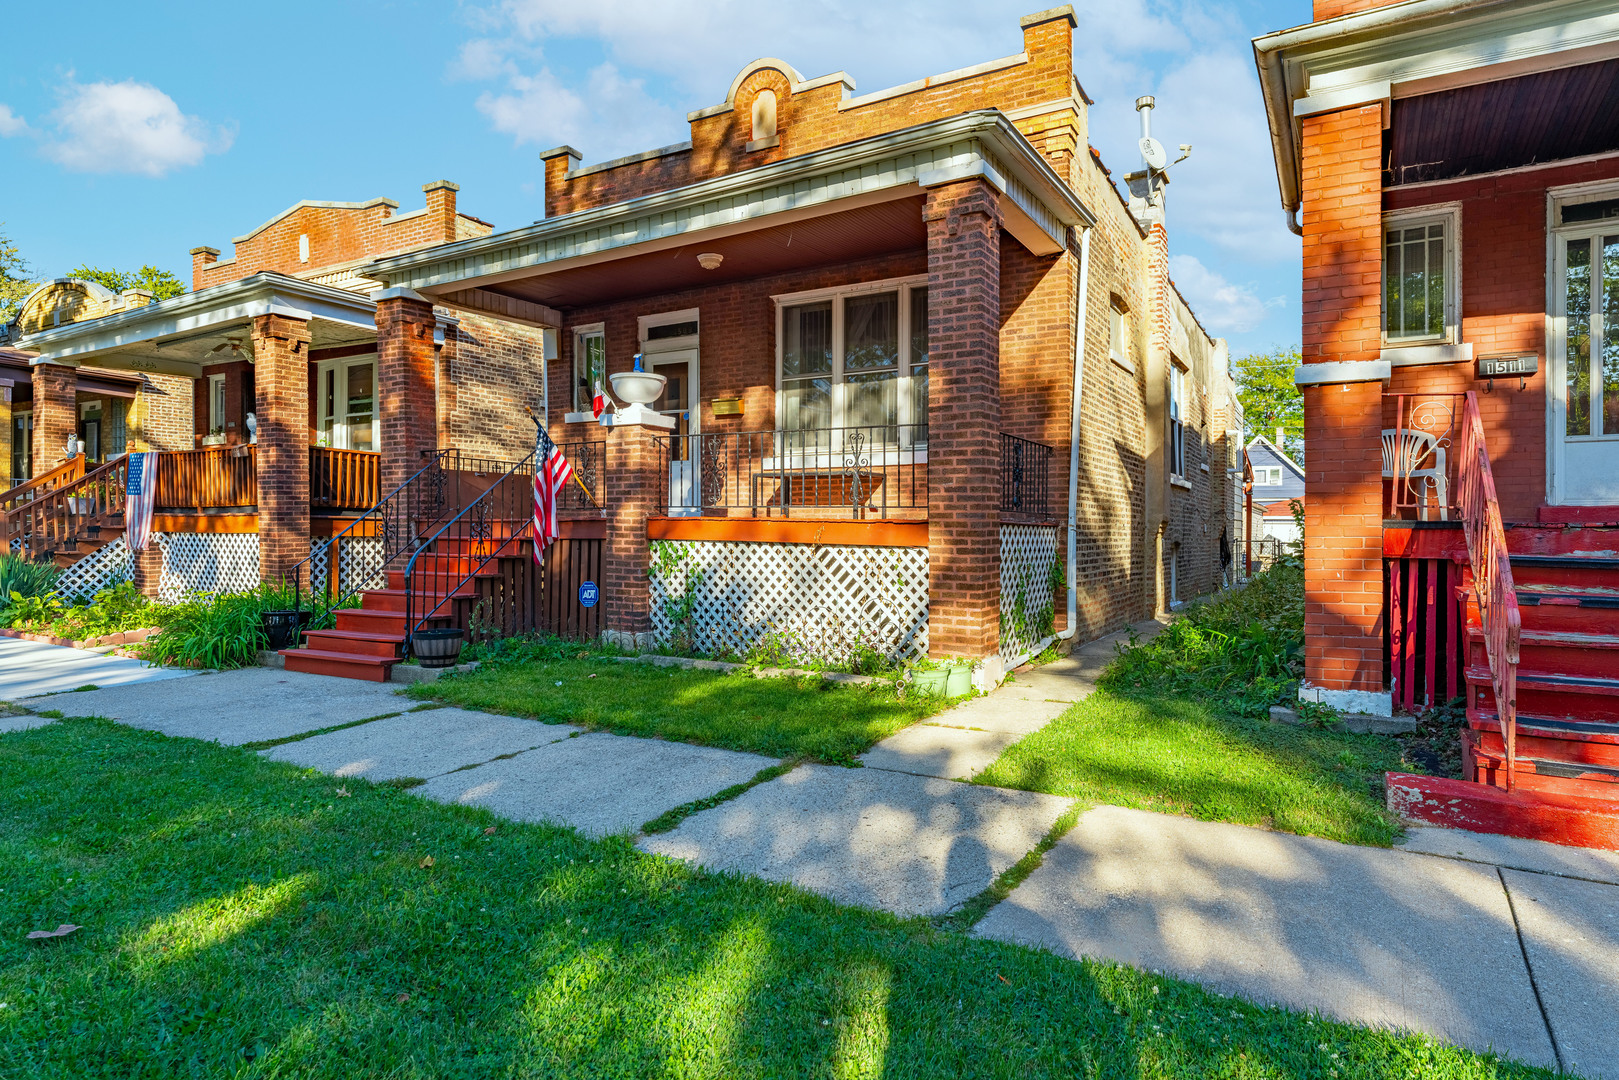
(150, 129)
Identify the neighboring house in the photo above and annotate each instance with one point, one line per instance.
(1278, 480)
(880, 322)
(1458, 178)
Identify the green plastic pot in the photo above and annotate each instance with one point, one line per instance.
(952, 680)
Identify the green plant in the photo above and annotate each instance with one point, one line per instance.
(27, 577)
(31, 612)
(223, 631)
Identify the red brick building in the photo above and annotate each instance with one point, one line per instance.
(1453, 169)
(926, 386)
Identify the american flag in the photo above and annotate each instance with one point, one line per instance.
(551, 474)
(138, 499)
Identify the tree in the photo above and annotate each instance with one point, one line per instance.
(15, 278)
(160, 283)
(1269, 398)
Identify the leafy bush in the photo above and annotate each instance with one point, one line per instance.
(111, 611)
(1242, 651)
(223, 631)
(25, 577)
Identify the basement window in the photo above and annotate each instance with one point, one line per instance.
(1419, 277)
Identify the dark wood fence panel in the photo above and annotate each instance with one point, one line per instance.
(569, 564)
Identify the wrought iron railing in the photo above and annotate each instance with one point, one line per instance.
(1025, 477)
(60, 517)
(492, 525)
(1492, 576)
(1420, 434)
(589, 461)
(877, 470)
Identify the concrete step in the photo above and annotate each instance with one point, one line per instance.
(357, 643)
(362, 621)
(394, 599)
(342, 665)
(1557, 775)
(1557, 818)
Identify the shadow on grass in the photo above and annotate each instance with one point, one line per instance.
(241, 918)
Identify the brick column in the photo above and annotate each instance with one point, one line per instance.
(55, 414)
(1343, 528)
(407, 409)
(281, 372)
(148, 569)
(635, 478)
(964, 419)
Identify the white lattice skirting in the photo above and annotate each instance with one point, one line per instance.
(207, 563)
(823, 599)
(359, 563)
(101, 569)
(1028, 552)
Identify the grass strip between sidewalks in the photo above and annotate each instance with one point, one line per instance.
(241, 918)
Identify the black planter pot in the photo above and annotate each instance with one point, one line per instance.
(282, 627)
(437, 648)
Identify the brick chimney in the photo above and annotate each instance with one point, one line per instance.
(441, 207)
(201, 257)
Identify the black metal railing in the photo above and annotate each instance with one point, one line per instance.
(449, 563)
(862, 471)
(589, 461)
(1025, 477)
(435, 493)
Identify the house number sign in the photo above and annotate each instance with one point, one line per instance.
(589, 594)
(1503, 367)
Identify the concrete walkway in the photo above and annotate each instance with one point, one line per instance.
(1482, 941)
(30, 668)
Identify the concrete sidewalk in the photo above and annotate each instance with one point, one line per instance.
(1486, 942)
(31, 668)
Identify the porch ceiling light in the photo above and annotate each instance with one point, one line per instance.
(710, 260)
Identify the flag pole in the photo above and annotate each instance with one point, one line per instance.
(529, 409)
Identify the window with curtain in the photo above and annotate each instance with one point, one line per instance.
(856, 358)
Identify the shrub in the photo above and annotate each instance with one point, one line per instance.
(111, 611)
(1242, 651)
(223, 631)
(25, 577)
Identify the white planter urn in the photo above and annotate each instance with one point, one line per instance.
(638, 389)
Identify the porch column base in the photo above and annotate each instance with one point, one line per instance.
(147, 569)
(1370, 702)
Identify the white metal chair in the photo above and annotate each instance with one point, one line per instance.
(1404, 449)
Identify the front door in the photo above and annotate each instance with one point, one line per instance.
(1583, 369)
(679, 401)
(347, 403)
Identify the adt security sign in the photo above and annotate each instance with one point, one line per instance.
(589, 594)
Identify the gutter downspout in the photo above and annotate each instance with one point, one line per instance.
(1080, 327)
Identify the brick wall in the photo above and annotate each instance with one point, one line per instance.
(493, 372)
(812, 120)
(964, 410)
(55, 414)
(281, 352)
(1343, 576)
(161, 416)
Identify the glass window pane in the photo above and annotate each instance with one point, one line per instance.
(1610, 335)
(872, 399)
(919, 327)
(1414, 282)
(806, 347)
(806, 403)
(919, 403)
(1391, 286)
(871, 332)
(1436, 288)
(1577, 311)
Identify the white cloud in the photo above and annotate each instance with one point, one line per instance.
(128, 127)
(10, 123)
(1222, 306)
(608, 112)
(481, 59)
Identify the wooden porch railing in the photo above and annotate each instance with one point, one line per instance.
(344, 479)
(66, 473)
(57, 519)
(216, 478)
(1492, 575)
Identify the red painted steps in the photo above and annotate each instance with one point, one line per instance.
(1555, 817)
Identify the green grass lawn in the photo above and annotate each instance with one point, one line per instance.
(243, 918)
(1182, 756)
(782, 717)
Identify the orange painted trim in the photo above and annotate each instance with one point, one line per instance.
(1410, 543)
(332, 525)
(787, 531)
(205, 523)
(582, 529)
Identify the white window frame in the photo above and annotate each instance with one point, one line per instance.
(906, 411)
(216, 402)
(325, 411)
(579, 410)
(645, 323)
(1450, 216)
(1177, 419)
(1118, 334)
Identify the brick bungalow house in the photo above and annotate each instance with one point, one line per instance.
(1457, 169)
(927, 384)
